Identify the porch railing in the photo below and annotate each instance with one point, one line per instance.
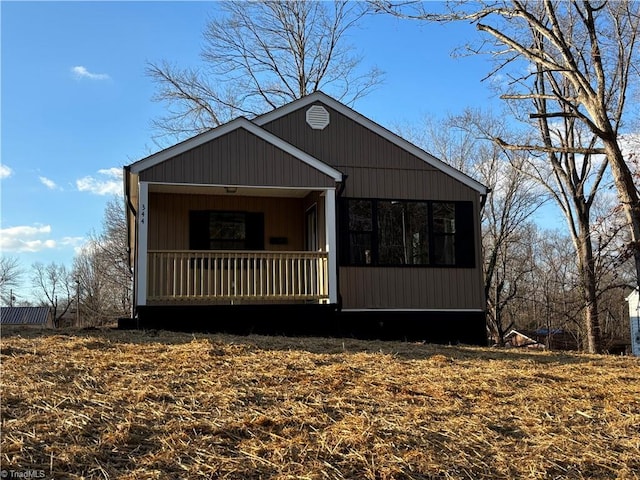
(227, 276)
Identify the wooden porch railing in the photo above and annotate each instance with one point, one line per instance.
(226, 276)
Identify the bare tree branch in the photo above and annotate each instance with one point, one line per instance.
(260, 55)
(590, 45)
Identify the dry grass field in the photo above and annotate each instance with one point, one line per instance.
(115, 404)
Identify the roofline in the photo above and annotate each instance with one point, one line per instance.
(513, 330)
(238, 123)
(377, 128)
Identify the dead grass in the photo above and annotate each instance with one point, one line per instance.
(160, 405)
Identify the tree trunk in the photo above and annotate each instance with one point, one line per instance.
(589, 286)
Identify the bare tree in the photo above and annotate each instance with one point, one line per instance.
(113, 243)
(260, 55)
(589, 46)
(512, 199)
(101, 270)
(507, 268)
(54, 286)
(553, 298)
(10, 275)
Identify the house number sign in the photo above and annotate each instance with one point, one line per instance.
(143, 213)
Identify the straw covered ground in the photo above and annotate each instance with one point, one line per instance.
(117, 404)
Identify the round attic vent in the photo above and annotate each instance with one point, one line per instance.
(317, 117)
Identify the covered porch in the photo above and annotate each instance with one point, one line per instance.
(232, 245)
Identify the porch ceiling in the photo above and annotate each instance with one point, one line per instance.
(222, 190)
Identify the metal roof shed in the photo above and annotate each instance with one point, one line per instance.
(30, 316)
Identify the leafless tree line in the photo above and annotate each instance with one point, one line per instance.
(95, 291)
(533, 276)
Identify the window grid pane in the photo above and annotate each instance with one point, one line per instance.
(444, 227)
(360, 232)
(403, 233)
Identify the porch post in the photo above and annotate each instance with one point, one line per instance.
(143, 220)
(331, 243)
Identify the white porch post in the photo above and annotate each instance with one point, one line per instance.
(143, 221)
(331, 243)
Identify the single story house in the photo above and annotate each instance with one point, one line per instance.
(309, 219)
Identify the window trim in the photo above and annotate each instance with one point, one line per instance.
(464, 235)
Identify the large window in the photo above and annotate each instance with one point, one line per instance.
(222, 230)
(402, 232)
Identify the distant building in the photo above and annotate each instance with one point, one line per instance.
(26, 316)
(542, 338)
(518, 339)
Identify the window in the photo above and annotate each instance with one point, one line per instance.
(220, 230)
(444, 233)
(402, 232)
(360, 231)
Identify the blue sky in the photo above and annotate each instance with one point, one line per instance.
(77, 105)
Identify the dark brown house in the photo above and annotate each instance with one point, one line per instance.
(310, 219)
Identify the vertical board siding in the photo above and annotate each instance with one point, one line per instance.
(318, 200)
(238, 158)
(343, 143)
(412, 288)
(374, 166)
(405, 184)
(169, 218)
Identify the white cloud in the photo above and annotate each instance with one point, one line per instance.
(109, 182)
(26, 238)
(72, 241)
(5, 171)
(81, 72)
(77, 243)
(50, 184)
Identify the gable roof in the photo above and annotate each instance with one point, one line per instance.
(24, 315)
(375, 127)
(525, 336)
(255, 127)
(238, 123)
